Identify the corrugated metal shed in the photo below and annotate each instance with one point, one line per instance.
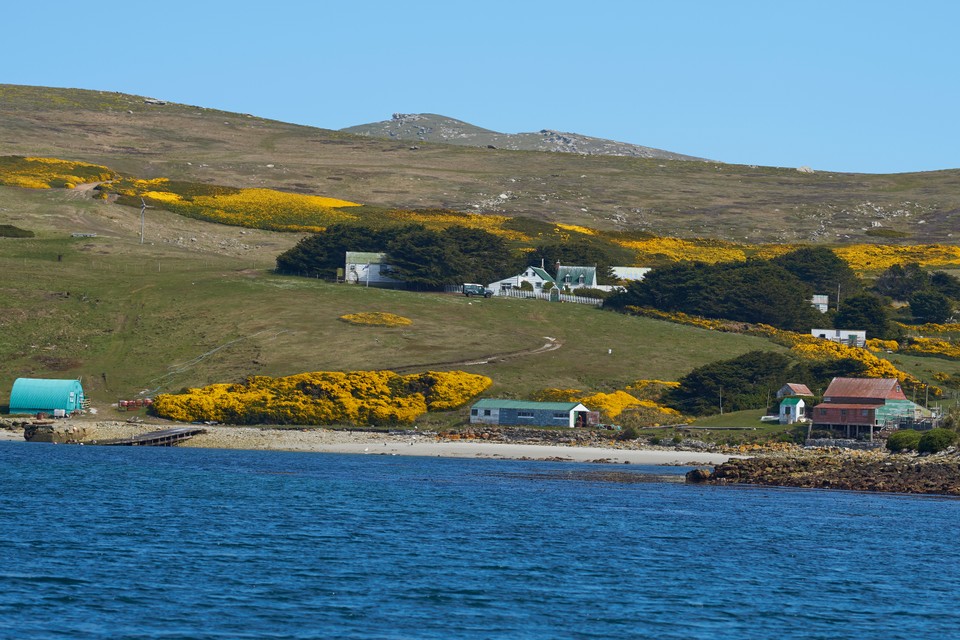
(866, 388)
(33, 395)
(493, 403)
(529, 413)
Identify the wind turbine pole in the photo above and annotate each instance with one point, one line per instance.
(143, 210)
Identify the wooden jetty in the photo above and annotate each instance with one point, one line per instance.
(162, 438)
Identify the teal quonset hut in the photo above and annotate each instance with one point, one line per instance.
(33, 395)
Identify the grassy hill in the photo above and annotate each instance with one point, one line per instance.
(666, 197)
(197, 303)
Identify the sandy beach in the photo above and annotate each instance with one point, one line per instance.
(406, 444)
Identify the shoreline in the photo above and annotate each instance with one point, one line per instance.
(319, 440)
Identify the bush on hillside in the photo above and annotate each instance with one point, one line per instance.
(904, 440)
(936, 440)
(589, 292)
(10, 231)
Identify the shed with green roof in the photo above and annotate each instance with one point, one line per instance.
(535, 414)
(792, 410)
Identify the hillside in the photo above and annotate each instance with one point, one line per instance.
(197, 303)
(150, 138)
(429, 127)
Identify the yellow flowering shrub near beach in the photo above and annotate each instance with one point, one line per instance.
(324, 397)
(48, 173)
(376, 318)
(612, 405)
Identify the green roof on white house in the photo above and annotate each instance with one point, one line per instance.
(790, 402)
(543, 274)
(576, 275)
(530, 405)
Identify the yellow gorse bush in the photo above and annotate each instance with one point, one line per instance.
(377, 318)
(577, 229)
(931, 327)
(932, 347)
(439, 220)
(664, 250)
(612, 405)
(46, 173)
(259, 208)
(325, 397)
(876, 257)
(876, 344)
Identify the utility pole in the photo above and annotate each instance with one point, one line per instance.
(721, 400)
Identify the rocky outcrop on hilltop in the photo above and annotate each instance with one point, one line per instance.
(429, 127)
(853, 471)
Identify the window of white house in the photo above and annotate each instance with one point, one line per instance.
(560, 416)
(486, 412)
(525, 414)
(474, 412)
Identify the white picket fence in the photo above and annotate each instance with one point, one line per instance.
(564, 297)
(520, 293)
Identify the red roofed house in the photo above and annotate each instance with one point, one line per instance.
(861, 405)
(792, 389)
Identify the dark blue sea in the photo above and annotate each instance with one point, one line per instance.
(103, 542)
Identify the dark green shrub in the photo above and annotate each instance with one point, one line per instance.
(655, 440)
(10, 231)
(628, 433)
(677, 439)
(588, 292)
(936, 440)
(905, 440)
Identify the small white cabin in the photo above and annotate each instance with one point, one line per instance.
(843, 336)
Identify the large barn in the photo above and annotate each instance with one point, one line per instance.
(860, 406)
(35, 395)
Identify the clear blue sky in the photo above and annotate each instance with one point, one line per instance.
(868, 86)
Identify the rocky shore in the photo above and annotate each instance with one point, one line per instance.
(837, 469)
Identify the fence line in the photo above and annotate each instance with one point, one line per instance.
(564, 297)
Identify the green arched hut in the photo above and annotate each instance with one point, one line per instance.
(35, 395)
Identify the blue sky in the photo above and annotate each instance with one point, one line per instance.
(834, 85)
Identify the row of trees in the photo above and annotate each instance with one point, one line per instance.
(931, 296)
(775, 292)
(429, 259)
(778, 292)
(748, 381)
